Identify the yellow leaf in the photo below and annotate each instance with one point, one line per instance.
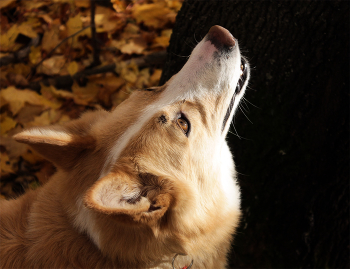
(29, 5)
(46, 118)
(7, 124)
(50, 39)
(85, 95)
(111, 82)
(135, 45)
(129, 72)
(35, 54)
(106, 21)
(72, 68)
(51, 92)
(74, 25)
(5, 3)
(26, 28)
(155, 77)
(143, 79)
(82, 3)
(163, 40)
(119, 5)
(18, 98)
(20, 68)
(7, 40)
(52, 66)
(152, 15)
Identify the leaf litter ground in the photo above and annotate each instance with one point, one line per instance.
(44, 40)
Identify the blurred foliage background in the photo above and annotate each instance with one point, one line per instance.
(54, 66)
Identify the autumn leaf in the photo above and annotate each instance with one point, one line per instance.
(129, 30)
(35, 55)
(50, 39)
(7, 124)
(16, 99)
(72, 68)
(74, 25)
(107, 21)
(152, 15)
(5, 3)
(52, 66)
(85, 95)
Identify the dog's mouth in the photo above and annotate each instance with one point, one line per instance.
(242, 80)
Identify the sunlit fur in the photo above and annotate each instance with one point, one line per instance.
(131, 189)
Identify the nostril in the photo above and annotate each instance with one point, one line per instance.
(221, 37)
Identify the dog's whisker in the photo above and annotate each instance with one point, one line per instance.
(183, 56)
(236, 130)
(244, 105)
(245, 114)
(245, 99)
(194, 35)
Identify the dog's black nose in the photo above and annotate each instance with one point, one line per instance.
(221, 37)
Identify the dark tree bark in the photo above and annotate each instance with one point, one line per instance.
(294, 164)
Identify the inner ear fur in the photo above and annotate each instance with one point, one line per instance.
(61, 144)
(138, 198)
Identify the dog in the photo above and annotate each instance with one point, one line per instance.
(151, 184)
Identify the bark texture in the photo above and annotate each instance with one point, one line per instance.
(294, 159)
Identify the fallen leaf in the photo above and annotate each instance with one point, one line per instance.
(74, 25)
(50, 92)
(28, 113)
(142, 79)
(17, 79)
(5, 3)
(18, 98)
(163, 40)
(85, 95)
(73, 68)
(107, 21)
(82, 3)
(135, 45)
(119, 5)
(155, 77)
(35, 55)
(152, 15)
(6, 125)
(50, 39)
(52, 66)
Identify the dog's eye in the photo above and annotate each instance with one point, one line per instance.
(184, 124)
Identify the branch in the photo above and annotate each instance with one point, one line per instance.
(66, 82)
(59, 44)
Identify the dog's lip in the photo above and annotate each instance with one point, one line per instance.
(221, 37)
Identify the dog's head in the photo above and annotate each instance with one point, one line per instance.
(160, 158)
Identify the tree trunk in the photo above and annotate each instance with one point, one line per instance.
(294, 159)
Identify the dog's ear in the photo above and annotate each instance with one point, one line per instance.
(61, 144)
(128, 199)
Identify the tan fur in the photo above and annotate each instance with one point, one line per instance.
(125, 199)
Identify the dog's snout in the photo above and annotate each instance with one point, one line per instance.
(221, 37)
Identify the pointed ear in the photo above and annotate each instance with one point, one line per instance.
(61, 144)
(125, 197)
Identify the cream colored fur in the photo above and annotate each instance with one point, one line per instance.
(132, 189)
